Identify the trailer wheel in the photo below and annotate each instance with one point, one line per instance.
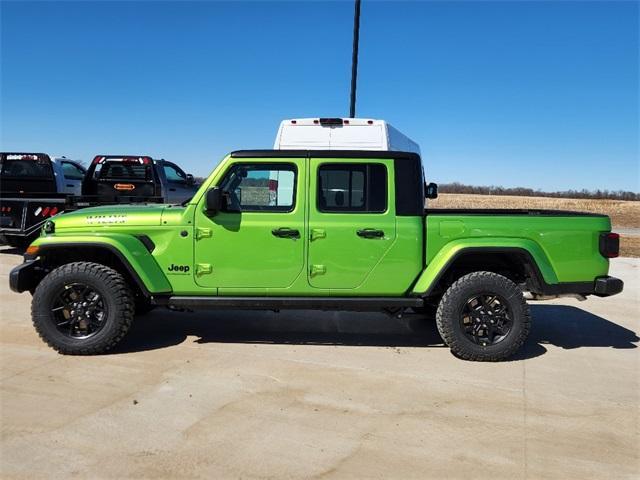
(483, 316)
(82, 308)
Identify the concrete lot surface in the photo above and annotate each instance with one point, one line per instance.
(310, 395)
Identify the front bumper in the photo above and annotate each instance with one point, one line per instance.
(26, 276)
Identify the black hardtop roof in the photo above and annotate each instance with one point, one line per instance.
(324, 154)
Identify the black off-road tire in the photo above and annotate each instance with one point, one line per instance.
(449, 316)
(117, 297)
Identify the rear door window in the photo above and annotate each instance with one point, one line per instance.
(352, 188)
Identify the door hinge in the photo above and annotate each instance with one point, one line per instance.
(317, 270)
(202, 233)
(317, 233)
(203, 269)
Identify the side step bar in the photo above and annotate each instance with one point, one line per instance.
(302, 303)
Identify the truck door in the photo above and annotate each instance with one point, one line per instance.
(73, 174)
(257, 240)
(351, 220)
(177, 187)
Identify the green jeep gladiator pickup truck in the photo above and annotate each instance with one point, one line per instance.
(326, 230)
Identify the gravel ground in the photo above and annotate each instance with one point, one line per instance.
(332, 395)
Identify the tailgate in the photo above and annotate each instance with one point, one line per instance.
(24, 216)
(11, 214)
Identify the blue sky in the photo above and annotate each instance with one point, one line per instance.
(534, 94)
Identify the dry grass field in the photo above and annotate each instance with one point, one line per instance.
(624, 215)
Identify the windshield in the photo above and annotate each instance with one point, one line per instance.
(123, 171)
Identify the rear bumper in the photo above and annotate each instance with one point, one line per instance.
(26, 277)
(607, 286)
(601, 286)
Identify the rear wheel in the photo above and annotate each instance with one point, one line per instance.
(483, 316)
(82, 308)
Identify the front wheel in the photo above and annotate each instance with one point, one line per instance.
(483, 316)
(82, 308)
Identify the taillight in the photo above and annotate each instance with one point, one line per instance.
(609, 244)
(53, 211)
(45, 211)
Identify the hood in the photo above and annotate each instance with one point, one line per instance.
(111, 216)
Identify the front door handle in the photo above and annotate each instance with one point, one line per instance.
(172, 189)
(285, 232)
(370, 233)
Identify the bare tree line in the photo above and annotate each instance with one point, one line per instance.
(457, 187)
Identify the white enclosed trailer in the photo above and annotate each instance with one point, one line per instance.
(341, 134)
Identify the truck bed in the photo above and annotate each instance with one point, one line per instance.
(566, 240)
(509, 212)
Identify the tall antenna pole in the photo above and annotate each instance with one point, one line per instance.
(354, 58)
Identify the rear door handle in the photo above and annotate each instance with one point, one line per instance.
(370, 233)
(285, 232)
(172, 189)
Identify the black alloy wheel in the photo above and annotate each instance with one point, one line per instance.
(79, 311)
(486, 319)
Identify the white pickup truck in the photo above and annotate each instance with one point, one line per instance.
(69, 175)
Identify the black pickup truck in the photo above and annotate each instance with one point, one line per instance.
(30, 189)
(28, 196)
(135, 179)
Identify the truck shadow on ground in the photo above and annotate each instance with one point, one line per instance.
(560, 325)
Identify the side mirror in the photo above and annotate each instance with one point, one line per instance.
(213, 201)
(190, 180)
(431, 191)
